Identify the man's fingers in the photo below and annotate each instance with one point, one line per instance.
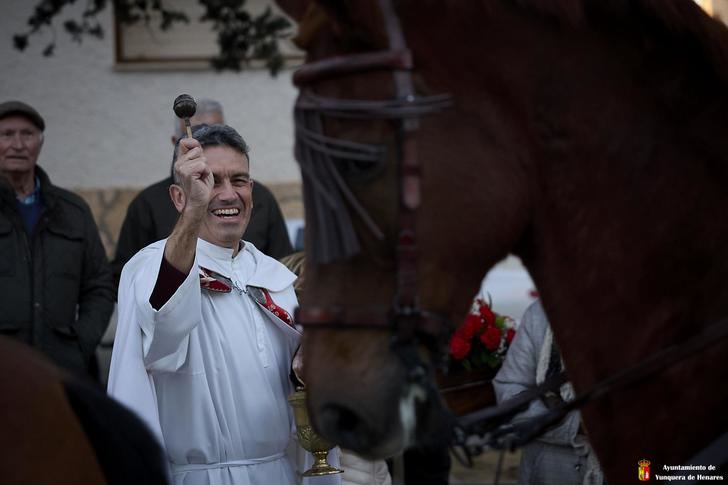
(194, 175)
(191, 154)
(193, 168)
(200, 170)
(187, 144)
(205, 173)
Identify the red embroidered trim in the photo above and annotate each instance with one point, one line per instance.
(275, 309)
(210, 280)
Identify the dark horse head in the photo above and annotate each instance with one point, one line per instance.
(588, 137)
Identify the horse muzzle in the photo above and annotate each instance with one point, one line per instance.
(350, 429)
(357, 412)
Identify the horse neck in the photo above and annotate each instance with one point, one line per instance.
(616, 166)
(597, 116)
(627, 196)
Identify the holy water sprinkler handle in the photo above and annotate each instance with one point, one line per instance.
(185, 107)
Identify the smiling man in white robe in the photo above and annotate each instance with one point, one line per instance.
(205, 337)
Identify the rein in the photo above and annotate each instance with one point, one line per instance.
(489, 422)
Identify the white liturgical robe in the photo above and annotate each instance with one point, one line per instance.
(209, 371)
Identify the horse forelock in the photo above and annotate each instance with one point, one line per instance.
(313, 20)
(345, 26)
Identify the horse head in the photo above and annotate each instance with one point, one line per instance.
(361, 394)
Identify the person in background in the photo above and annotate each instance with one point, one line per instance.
(562, 455)
(205, 337)
(151, 215)
(55, 280)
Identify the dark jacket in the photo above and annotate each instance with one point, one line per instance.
(151, 216)
(56, 290)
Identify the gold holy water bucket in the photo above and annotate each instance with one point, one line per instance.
(309, 440)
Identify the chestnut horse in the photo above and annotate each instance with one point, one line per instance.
(588, 137)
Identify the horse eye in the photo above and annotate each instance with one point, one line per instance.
(359, 170)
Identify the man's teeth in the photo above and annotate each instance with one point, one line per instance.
(226, 212)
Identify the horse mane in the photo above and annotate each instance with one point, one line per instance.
(680, 19)
(690, 37)
(683, 20)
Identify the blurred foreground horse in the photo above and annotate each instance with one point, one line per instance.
(58, 430)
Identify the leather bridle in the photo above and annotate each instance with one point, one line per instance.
(327, 195)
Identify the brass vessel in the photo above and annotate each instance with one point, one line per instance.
(309, 440)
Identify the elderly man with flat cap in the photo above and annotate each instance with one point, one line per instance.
(55, 281)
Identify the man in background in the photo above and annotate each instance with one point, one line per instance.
(55, 280)
(151, 215)
(562, 455)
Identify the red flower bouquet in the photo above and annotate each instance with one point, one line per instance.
(482, 339)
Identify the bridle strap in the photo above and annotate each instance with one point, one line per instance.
(338, 316)
(407, 314)
(338, 66)
(363, 318)
(373, 109)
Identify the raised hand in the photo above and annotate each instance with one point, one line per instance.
(193, 175)
(191, 194)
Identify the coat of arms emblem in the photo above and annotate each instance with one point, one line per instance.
(643, 472)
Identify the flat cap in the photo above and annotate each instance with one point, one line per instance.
(9, 108)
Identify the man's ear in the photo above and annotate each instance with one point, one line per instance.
(178, 197)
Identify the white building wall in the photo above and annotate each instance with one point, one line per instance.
(109, 128)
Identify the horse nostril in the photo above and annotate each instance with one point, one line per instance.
(347, 420)
(344, 427)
